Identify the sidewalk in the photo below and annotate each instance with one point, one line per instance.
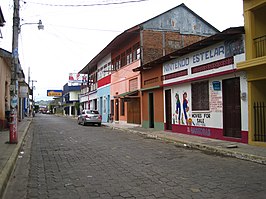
(232, 149)
(9, 152)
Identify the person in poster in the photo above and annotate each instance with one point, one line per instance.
(178, 107)
(185, 106)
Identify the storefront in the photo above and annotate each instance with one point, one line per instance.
(205, 95)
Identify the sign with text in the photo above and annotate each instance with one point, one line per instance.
(54, 93)
(77, 78)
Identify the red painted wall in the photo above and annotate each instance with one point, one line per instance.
(214, 133)
(104, 81)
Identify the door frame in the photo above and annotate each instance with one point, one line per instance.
(151, 110)
(168, 109)
(231, 108)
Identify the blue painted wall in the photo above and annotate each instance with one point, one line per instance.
(103, 95)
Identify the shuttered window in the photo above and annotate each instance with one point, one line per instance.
(200, 96)
(133, 84)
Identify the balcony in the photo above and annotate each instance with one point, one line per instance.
(260, 46)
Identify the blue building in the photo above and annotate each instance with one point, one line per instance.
(70, 98)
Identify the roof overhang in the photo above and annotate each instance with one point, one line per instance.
(229, 33)
(112, 46)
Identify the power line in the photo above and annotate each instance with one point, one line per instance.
(85, 5)
(84, 28)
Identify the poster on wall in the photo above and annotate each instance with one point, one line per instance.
(182, 110)
(181, 114)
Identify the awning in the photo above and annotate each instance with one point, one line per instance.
(150, 88)
(130, 94)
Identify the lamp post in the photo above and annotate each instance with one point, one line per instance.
(40, 25)
(13, 137)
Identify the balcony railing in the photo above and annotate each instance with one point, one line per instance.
(260, 45)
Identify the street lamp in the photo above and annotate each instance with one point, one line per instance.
(13, 138)
(40, 25)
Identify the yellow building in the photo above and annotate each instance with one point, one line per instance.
(255, 66)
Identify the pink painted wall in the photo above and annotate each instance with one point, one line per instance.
(120, 79)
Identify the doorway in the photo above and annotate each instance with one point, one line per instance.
(168, 109)
(151, 111)
(133, 111)
(116, 109)
(231, 108)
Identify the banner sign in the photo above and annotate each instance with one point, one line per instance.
(77, 78)
(54, 93)
(23, 91)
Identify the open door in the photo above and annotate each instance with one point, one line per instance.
(116, 110)
(168, 109)
(151, 111)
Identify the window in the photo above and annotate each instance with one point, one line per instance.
(133, 84)
(109, 68)
(117, 63)
(123, 59)
(122, 106)
(136, 51)
(200, 96)
(129, 56)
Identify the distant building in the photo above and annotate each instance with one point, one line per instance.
(71, 99)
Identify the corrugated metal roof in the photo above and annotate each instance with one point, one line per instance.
(127, 34)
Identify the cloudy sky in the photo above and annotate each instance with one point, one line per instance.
(77, 30)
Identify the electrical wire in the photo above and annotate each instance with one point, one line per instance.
(85, 5)
(84, 28)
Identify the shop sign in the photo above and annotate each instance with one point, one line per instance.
(205, 56)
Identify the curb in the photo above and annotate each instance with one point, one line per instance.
(202, 147)
(10, 164)
(218, 150)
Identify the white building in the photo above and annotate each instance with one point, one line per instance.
(205, 94)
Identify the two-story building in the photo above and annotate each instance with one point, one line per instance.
(71, 99)
(197, 90)
(255, 67)
(143, 43)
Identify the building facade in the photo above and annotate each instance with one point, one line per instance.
(103, 91)
(201, 92)
(255, 67)
(71, 100)
(138, 45)
(5, 81)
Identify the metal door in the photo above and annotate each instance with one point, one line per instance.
(231, 108)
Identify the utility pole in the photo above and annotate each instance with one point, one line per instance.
(13, 137)
(32, 99)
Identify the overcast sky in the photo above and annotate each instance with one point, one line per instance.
(73, 35)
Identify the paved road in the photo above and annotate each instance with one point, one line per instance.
(64, 160)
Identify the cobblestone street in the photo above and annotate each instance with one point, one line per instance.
(62, 159)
